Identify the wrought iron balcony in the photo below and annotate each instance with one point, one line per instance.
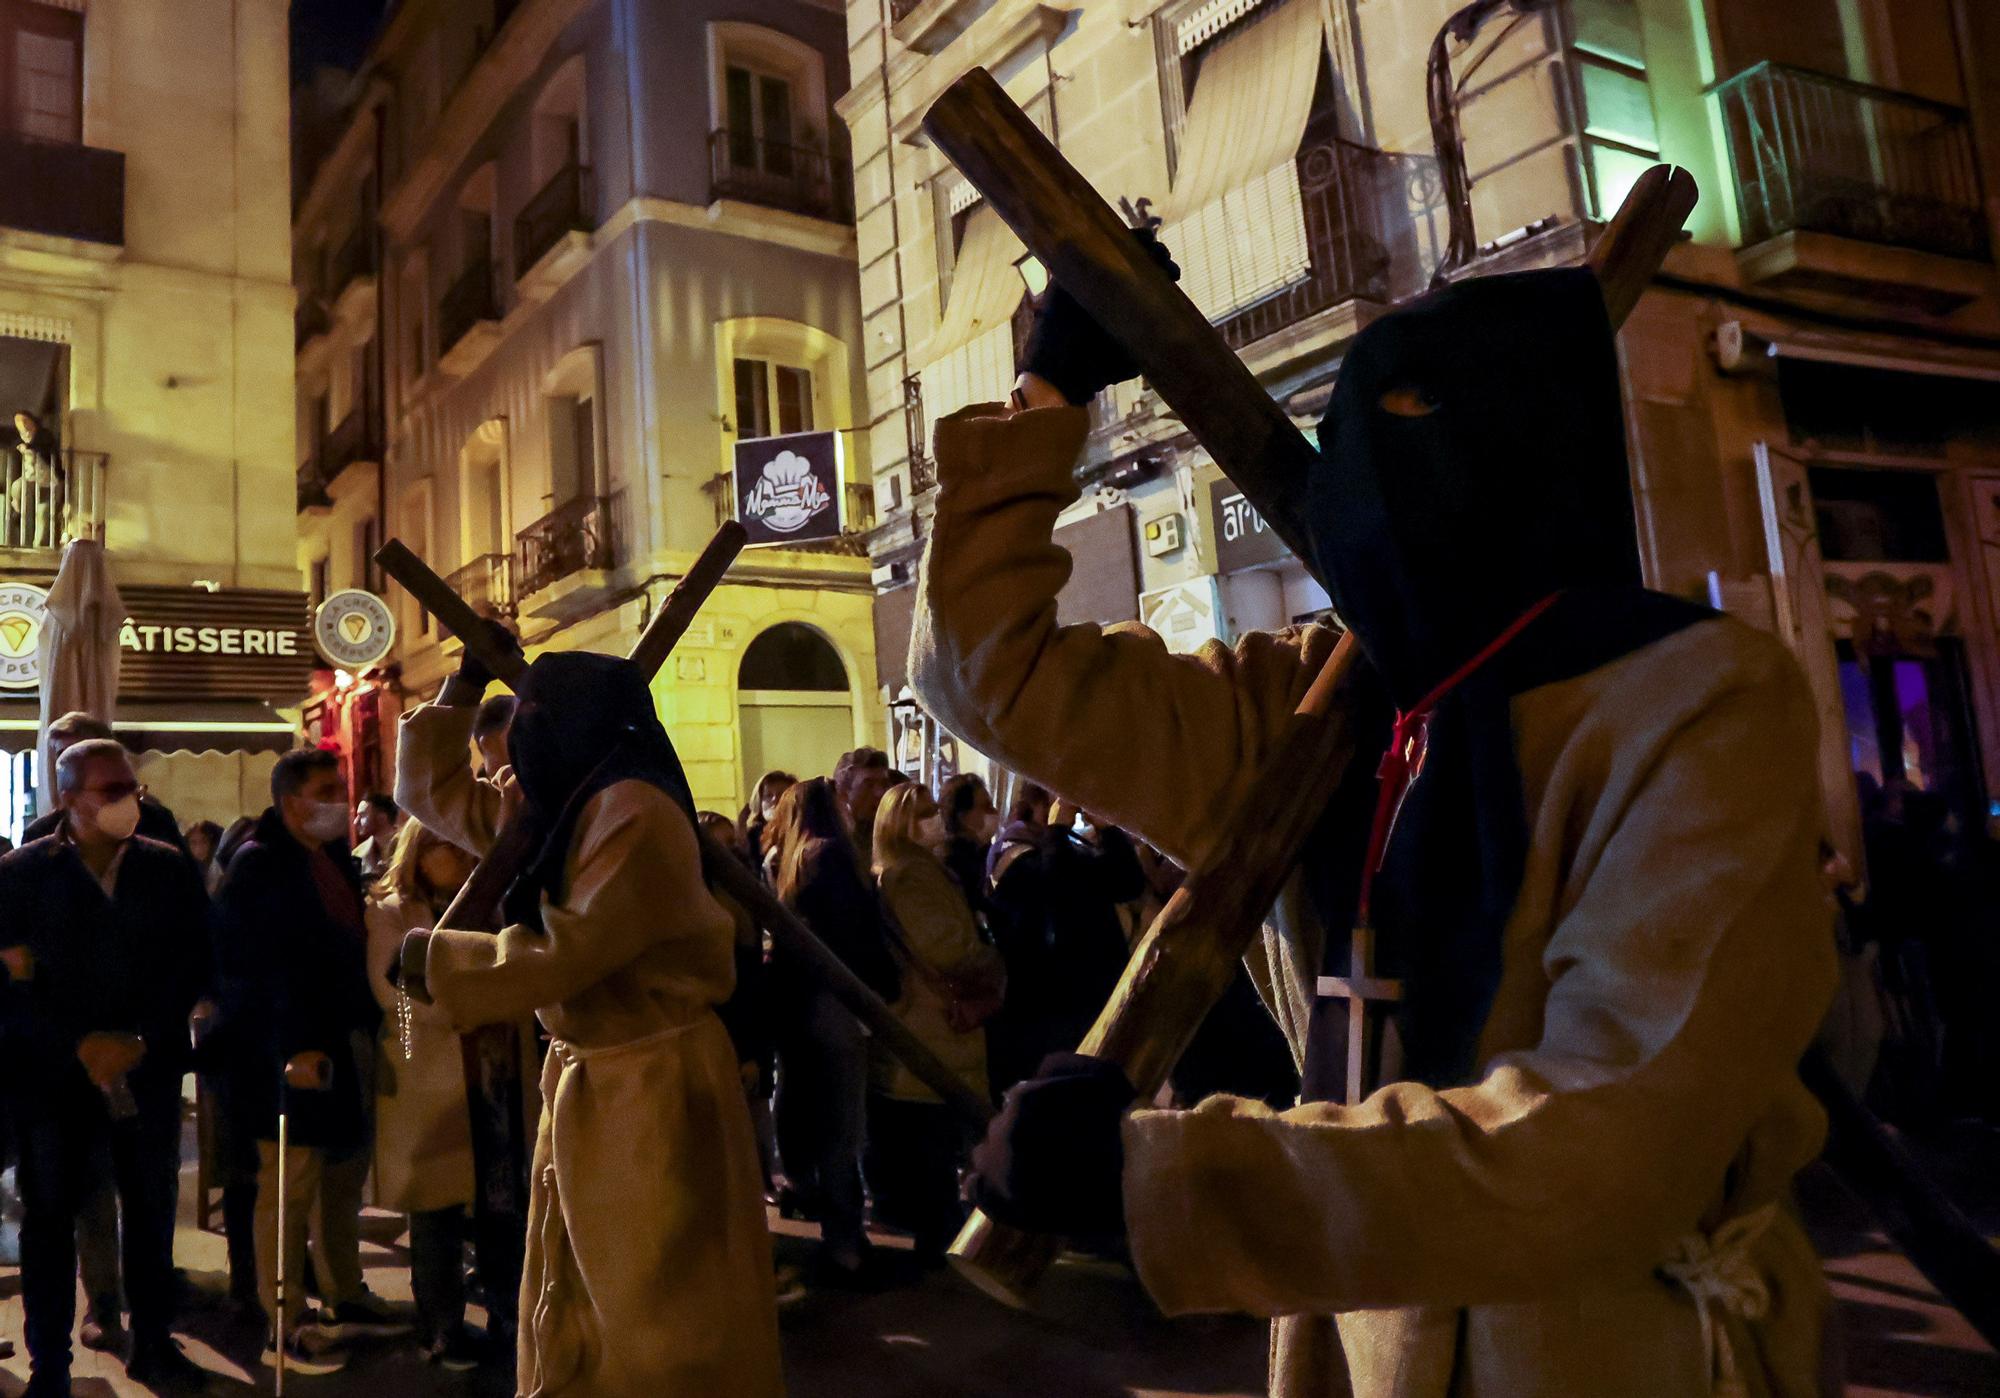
(569, 539)
(66, 191)
(564, 205)
(469, 301)
(49, 498)
(487, 584)
(354, 259)
(1339, 182)
(1826, 155)
(776, 174)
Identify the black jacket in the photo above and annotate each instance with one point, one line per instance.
(841, 907)
(134, 963)
(156, 822)
(1054, 916)
(293, 979)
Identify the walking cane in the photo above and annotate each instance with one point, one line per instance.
(284, 1140)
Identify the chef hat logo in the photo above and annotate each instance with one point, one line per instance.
(787, 495)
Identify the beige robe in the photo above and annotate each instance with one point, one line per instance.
(1665, 966)
(648, 1262)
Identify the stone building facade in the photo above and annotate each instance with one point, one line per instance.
(565, 256)
(145, 304)
(1810, 384)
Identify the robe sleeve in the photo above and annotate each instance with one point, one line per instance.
(634, 880)
(1688, 969)
(434, 778)
(1155, 742)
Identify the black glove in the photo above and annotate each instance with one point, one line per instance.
(469, 685)
(1072, 351)
(1053, 1160)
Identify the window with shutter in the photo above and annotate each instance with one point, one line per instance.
(42, 48)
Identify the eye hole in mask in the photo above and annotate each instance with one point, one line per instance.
(1408, 400)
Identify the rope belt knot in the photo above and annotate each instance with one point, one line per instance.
(1717, 1272)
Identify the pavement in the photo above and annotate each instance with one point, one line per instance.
(1093, 1334)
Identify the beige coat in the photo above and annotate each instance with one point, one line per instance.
(648, 1263)
(1665, 966)
(423, 1129)
(939, 932)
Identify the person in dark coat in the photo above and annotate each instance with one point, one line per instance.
(299, 1016)
(970, 823)
(822, 1052)
(109, 957)
(1056, 884)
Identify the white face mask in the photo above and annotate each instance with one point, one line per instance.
(328, 821)
(930, 830)
(1080, 825)
(118, 819)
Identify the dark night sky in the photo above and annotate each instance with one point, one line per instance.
(331, 32)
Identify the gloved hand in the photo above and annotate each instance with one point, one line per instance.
(466, 688)
(1072, 351)
(1053, 1160)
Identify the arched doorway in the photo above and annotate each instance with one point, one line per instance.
(793, 706)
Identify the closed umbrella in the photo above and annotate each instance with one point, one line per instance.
(79, 642)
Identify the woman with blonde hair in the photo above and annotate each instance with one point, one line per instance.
(952, 981)
(423, 1127)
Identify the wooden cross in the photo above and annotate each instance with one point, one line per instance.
(724, 869)
(1360, 987)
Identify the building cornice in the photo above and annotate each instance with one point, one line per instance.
(328, 182)
(738, 220)
(511, 60)
(993, 41)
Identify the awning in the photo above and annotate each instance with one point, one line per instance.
(985, 285)
(1236, 218)
(971, 357)
(204, 725)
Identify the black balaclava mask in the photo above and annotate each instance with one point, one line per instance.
(581, 723)
(1504, 481)
(1434, 532)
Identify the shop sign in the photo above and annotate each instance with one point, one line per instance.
(1243, 539)
(180, 643)
(21, 607)
(354, 629)
(788, 489)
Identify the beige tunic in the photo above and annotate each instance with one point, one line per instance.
(648, 1263)
(1664, 968)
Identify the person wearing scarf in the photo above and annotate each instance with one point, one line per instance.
(1591, 865)
(648, 1264)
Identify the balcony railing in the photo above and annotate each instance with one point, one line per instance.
(487, 584)
(1339, 182)
(569, 539)
(49, 498)
(564, 205)
(900, 10)
(309, 319)
(66, 191)
(1826, 155)
(776, 174)
(355, 258)
(469, 301)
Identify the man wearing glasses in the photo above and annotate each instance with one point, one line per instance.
(107, 955)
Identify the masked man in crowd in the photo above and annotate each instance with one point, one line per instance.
(648, 1265)
(110, 956)
(298, 1017)
(1588, 866)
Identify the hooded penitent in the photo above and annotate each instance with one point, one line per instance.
(582, 722)
(1473, 466)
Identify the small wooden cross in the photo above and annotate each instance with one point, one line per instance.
(1360, 988)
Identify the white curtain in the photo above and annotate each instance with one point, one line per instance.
(78, 649)
(1236, 218)
(971, 357)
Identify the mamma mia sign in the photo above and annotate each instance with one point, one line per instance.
(788, 489)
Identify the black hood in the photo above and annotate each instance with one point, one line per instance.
(1434, 532)
(581, 723)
